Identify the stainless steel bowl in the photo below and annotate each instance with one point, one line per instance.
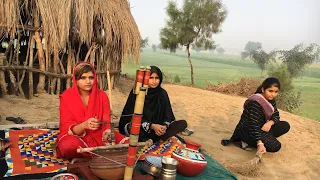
(65, 176)
(152, 165)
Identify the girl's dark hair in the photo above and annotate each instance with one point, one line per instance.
(83, 68)
(267, 83)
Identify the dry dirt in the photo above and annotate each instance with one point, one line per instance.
(213, 116)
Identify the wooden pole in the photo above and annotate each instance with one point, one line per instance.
(69, 62)
(110, 101)
(139, 80)
(31, 45)
(134, 133)
(37, 38)
(24, 71)
(16, 55)
(32, 69)
(3, 83)
(55, 69)
(136, 122)
(47, 54)
(116, 146)
(109, 88)
(146, 79)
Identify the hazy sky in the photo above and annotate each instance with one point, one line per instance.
(277, 24)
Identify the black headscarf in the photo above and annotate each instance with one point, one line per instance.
(155, 102)
(157, 107)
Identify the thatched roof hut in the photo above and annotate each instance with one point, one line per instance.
(45, 38)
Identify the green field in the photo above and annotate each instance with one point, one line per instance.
(209, 68)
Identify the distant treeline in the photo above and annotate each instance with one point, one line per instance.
(309, 72)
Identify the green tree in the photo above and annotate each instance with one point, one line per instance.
(261, 58)
(177, 79)
(293, 64)
(287, 99)
(144, 43)
(154, 47)
(252, 46)
(245, 54)
(195, 22)
(299, 57)
(220, 50)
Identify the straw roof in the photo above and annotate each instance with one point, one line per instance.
(106, 22)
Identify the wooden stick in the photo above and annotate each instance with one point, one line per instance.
(24, 27)
(81, 150)
(29, 126)
(41, 58)
(31, 66)
(89, 52)
(69, 66)
(3, 83)
(109, 89)
(64, 76)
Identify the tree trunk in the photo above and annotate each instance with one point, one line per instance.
(191, 66)
(37, 38)
(2, 77)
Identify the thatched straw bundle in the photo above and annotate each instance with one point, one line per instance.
(48, 37)
(83, 20)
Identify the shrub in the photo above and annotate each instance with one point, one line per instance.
(287, 99)
(177, 79)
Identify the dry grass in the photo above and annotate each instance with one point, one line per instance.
(241, 87)
(108, 23)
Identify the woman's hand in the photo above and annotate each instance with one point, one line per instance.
(159, 129)
(261, 149)
(106, 136)
(267, 126)
(91, 123)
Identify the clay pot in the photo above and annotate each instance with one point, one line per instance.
(109, 170)
(191, 161)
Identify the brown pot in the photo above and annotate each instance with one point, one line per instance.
(109, 170)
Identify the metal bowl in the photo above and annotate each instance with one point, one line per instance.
(152, 165)
(68, 176)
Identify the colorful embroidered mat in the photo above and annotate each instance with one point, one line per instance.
(160, 149)
(32, 152)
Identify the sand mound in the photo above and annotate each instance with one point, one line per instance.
(240, 87)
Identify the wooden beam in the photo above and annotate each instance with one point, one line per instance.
(51, 74)
(31, 126)
(23, 27)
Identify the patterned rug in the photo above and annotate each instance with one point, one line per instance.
(32, 152)
(160, 149)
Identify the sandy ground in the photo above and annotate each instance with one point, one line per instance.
(213, 116)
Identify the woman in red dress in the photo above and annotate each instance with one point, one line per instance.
(82, 109)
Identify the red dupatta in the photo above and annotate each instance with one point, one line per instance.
(73, 111)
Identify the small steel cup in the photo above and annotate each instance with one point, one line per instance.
(169, 163)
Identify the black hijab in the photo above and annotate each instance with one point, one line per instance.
(157, 108)
(155, 101)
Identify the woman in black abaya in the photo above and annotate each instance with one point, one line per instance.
(158, 121)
